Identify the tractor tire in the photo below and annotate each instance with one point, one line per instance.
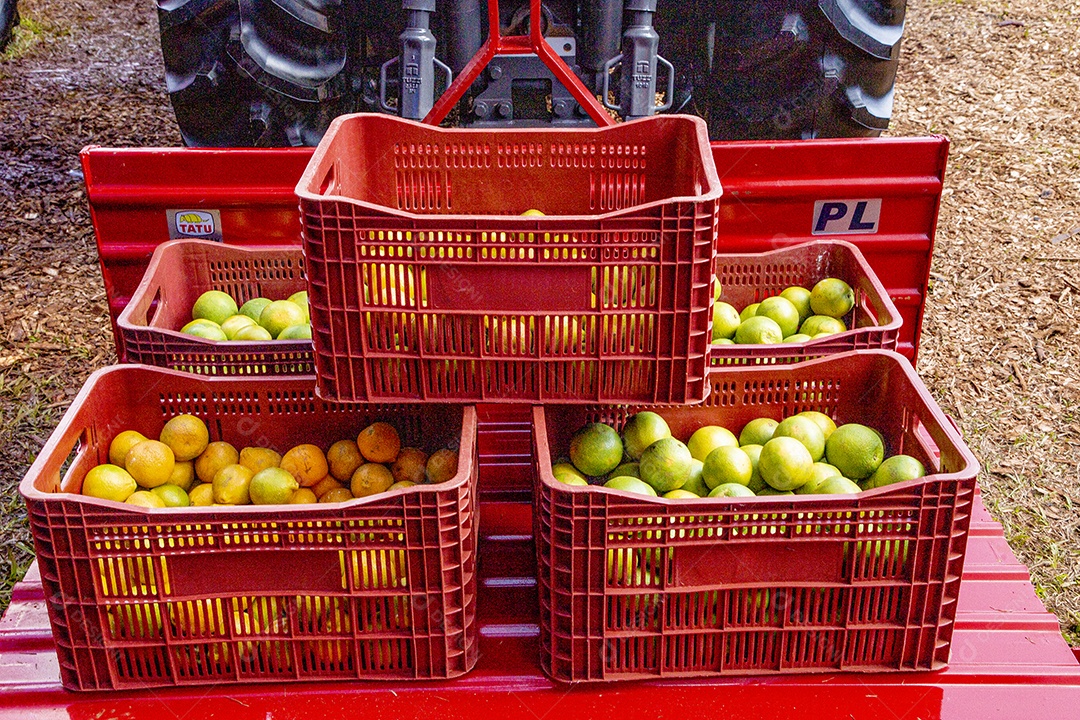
(255, 73)
(797, 69)
(9, 18)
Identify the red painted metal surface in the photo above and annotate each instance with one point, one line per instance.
(499, 44)
(1008, 658)
(770, 190)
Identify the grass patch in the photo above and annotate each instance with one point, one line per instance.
(28, 33)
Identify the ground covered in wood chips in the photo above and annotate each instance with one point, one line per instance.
(1000, 343)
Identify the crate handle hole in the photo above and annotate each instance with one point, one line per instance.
(329, 180)
(64, 477)
(153, 308)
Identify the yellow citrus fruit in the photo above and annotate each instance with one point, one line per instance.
(205, 329)
(695, 481)
(725, 321)
(832, 297)
(296, 332)
(279, 315)
(442, 466)
(411, 466)
(146, 499)
(748, 312)
(336, 495)
(896, 469)
(379, 443)
(172, 496)
(186, 436)
(109, 482)
(370, 479)
(596, 449)
(403, 484)
(800, 298)
(202, 495)
(727, 465)
(806, 431)
(216, 456)
(680, 494)
(272, 486)
(532, 212)
(256, 459)
(856, 450)
(253, 308)
(666, 464)
(300, 298)
(836, 486)
(631, 484)
(306, 463)
(823, 421)
(118, 448)
(303, 496)
(215, 306)
(819, 472)
(753, 452)
(235, 324)
(183, 475)
(708, 438)
(785, 463)
(798, 338)
(232, 484)
(731, 490)
(641, 431)
(758, 431)
(343, 458)
(253, 333)
(782, 311)
(151, 463)
(817, 324)
(325, 485)
(759, 330)
(567, 473)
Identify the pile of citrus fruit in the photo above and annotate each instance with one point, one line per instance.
(183, 468)
(803, 454)
(796, 315)
(215, 316)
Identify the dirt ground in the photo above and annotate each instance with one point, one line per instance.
(1000, 347)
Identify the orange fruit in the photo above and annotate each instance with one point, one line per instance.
(118, 448)
(306, 463)
(202, 495)
(303, 496)
(183, 475)
(216, 456)
(379, 443)
(257, 459)
(343, 458)
(370, 479)
(145, 498)
(442, 466)
(336, 495)
(186, 435)
(151, 463)
(325, 485)
(411, 466)
(402, 485)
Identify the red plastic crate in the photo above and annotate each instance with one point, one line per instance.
(767, 585)
(748, 278)
(380, 588)
(181, 271)
(427, 283)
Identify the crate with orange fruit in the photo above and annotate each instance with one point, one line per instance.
(195, 530)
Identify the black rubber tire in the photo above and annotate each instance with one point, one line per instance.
(9, 18)
(266, 73)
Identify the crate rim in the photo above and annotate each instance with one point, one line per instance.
(894, 314)
(775, 503)
(712, 193)
(125, 322)
(29, 492)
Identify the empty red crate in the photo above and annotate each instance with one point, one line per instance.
(637, 587)
(380, 588)
(181, 271)
(428, 283)
(748, 278)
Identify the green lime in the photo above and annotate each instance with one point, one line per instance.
(782, 311)
(785, 463)
(754, 453)
(641, 431)
(296, 332)
(732, 490)
(823, 421)
(727, 465)
(708, 438)
(629, 484)
(805, 431)
(233, 324)
(565, 473)
(253, 308)
(627, 469)
(301, 299)
(680, 495)
(819, 472)
(596, 449)
(253, 333)
(836, 486)
(172, 495)
(666, 464)
(832, 297)
(214, 305)
(856, 450)
(279, 315)
(205, 329)
(800, 298)
(725, 321)
(797, 338)
(748, 312)
(773, 491)
(758, 431)
(695, 482)
(896, 469)
(818, 324)
(759, 330)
